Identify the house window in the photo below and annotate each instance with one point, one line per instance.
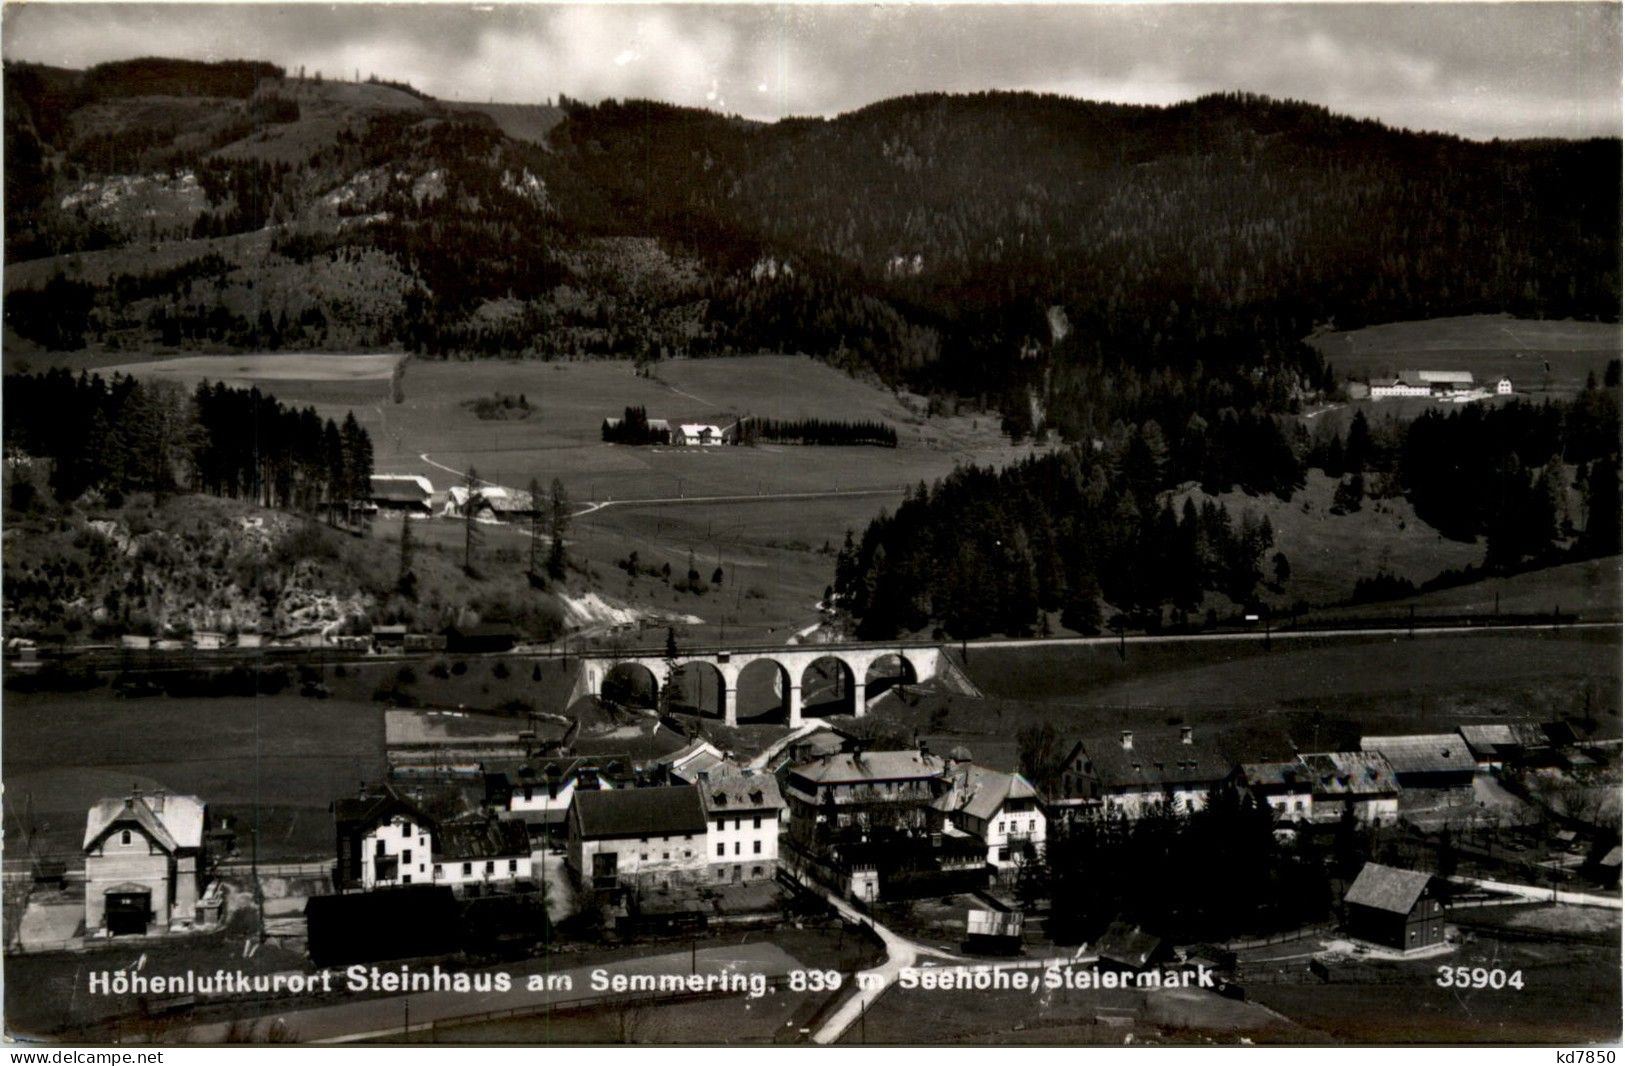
(643, 856)
(756, 848)
(468, 869)
(513, 866)
(756, 822)
(406, 830)
(406, 879)
(1004, 854)
(490, 867)
(665, 856)
(722, 849)
(722, 875)
(380, 848)
(125, 838)
(738, 822)
(722, 824)
(406, 856)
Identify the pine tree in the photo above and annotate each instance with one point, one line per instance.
(405, 580)
(471, 533)
(558, 522)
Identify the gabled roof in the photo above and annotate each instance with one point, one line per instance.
(1386, 888)
(484, 838)
(1488, 740)
(1276, 775)
(637, 812)
(740, 792)
(981, 793)
(855, 768)
(408, 488)
(375, 807)
(1350, 773)
(1154, 760)
(1128, 944)
(1423, 752)
(173, 822)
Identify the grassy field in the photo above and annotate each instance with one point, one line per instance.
(1328, 552)
(291, 756)
(1489, 346)
(1570, 997)
(1590, 589)
(1313, 693)
(768, 548)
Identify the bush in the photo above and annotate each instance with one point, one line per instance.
(406, 675)
(499, 670)
(459, 668)
(440, 670)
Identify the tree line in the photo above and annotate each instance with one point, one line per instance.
(634, 428)
(816, 431)
(120, 435)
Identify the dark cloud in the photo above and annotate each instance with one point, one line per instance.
(1482, 70)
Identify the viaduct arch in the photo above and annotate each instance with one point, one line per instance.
(922, 660)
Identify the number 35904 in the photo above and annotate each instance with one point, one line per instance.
(1478, 977)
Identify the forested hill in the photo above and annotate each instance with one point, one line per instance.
(1074, 263)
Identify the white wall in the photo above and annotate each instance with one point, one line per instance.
(405, 840)
(504, 871)
(747, 839)
(1002, 826)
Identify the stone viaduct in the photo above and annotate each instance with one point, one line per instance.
(920, 661)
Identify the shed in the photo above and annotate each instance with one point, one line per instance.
(1125, 947)
(1394, 908)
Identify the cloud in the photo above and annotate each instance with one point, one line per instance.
(1478, 69)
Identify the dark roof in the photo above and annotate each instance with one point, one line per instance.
(487, 838)
(638, 812)
(375, 806)
(1385, 888)
(1128, 944)
(1154, 760)
(737, 792)
(1293, 776)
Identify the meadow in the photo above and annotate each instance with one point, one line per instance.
(288, 755)
(1490, 346)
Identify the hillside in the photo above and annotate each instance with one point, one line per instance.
(1069, 263)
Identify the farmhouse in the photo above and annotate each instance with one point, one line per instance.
(385, 840)
(637, 838)
(401, 492)
(143, 863)
(1423, 383)
(1357, 781)
(1427, 761)
(999, 809)
(1394, 908)
(699, 433)
(476, 855)
(1284, 786)
(1131, 776)
(743, 812)
(539, 793)
(1503, 387)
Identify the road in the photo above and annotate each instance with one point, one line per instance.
(389, 1017)
(1279, 634)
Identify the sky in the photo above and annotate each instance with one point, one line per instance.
(1478, 70)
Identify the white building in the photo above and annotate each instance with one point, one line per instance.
(743, 815)
(1360, 781)
(642, 837)
(143, 863)
(385, 840)
(1503, 387)
(1423, 383)
(1285, 786)
(700, 433)
(1000, 809)
(1135, 774)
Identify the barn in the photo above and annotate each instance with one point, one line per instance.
(1394, 908)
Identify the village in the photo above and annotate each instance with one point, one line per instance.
(490, 841)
